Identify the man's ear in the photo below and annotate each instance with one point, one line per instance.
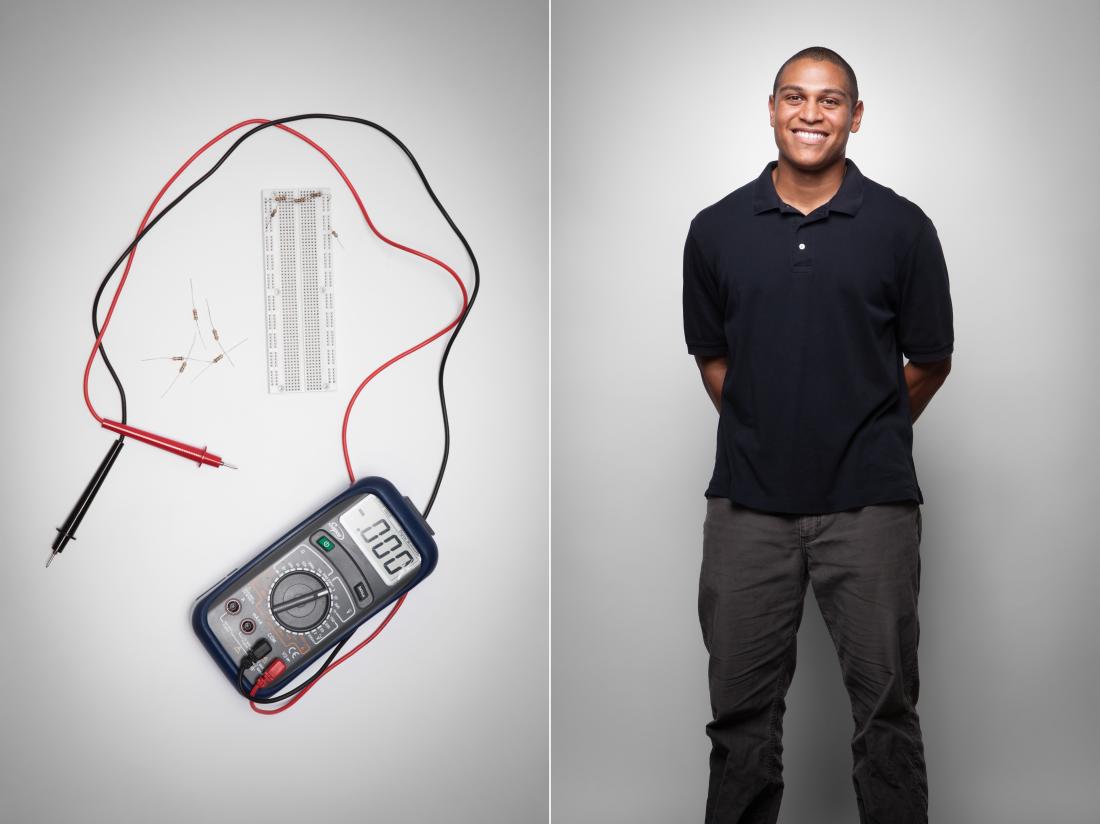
(857, 116)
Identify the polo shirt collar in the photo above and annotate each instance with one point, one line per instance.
(847, 199)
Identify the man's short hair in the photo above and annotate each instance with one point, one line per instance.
(822, 53)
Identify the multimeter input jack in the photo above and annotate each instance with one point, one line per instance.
(260, 650)
(248, 626)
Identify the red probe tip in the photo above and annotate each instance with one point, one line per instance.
(194, 453)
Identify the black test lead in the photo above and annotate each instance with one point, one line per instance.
(67, 531)
(201, 455)
(415, 520)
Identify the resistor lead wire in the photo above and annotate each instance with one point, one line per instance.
(195, 314)
(182, 366)
(147, 225)
(216, 360)
(456, 326)
(217, 337)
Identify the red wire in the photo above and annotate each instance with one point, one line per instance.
(355, 395)
(370, 223)
(298, 696)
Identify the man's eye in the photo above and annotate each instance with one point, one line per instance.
(792, 96)
(831, 100)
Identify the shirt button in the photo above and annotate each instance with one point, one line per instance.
(802, 246)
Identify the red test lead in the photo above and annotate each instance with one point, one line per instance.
(66, 532)
(270, 674)
(195, 453)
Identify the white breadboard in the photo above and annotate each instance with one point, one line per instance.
(298, 290)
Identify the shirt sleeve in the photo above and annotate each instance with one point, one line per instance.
(704, 328)
(925, 325)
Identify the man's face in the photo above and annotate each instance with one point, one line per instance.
(812, 114)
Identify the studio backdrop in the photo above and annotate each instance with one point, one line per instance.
(983, 115)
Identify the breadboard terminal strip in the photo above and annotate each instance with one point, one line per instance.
(299, 301)
(66, 532)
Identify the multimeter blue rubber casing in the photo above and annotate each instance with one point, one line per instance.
(313, 587)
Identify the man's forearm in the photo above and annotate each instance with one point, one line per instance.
(713, 372)
(923, 381)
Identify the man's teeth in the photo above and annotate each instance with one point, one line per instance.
(812, 137)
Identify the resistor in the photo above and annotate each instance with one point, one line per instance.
(183, 366)
(178, 358)
(195, 314)
(217, 338)
(217, 359)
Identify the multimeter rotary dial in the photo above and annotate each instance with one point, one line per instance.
(300, 601)
(314, 586)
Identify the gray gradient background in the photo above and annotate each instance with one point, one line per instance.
(984, 114)
(110, 709)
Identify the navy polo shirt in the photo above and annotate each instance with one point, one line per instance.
(814, 313)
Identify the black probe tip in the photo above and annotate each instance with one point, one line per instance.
(67, 531)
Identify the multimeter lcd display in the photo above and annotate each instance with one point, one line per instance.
(374, 530)
(318, 582)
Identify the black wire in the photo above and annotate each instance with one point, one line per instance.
(431, 193)
(442, 363)
(275, 699)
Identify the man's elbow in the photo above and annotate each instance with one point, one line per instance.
(708, 362)
(934, 370)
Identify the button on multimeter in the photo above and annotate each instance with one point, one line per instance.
(310, 589)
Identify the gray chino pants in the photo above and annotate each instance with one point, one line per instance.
(864, 565)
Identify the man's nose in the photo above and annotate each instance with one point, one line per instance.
(810, 112)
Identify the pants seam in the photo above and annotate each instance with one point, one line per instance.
(773, 737)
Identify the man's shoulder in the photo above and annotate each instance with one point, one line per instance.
(886, 203)
(722, 214)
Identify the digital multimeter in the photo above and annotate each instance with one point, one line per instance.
(318, 583)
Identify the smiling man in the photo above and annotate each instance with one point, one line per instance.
(803, 290)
